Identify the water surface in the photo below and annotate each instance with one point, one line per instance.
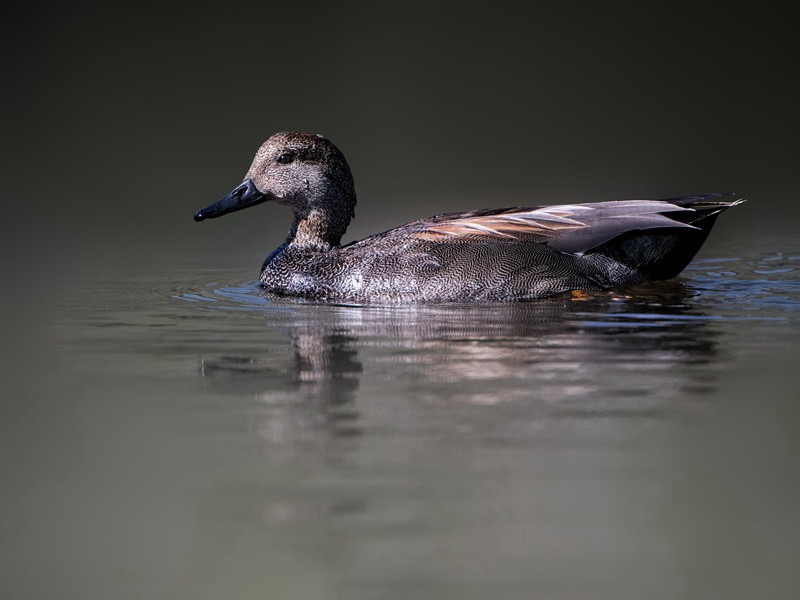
(187, 436)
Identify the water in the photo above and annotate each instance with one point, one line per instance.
(180, 435)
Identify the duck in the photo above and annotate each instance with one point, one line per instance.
(496, 255)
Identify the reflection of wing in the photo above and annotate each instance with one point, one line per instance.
(573, 228)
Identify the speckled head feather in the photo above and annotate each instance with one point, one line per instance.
(290, 162)
(310, 174)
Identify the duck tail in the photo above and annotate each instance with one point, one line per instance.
(662, 253)
(704, 206)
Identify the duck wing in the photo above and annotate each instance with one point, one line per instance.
(573, 228)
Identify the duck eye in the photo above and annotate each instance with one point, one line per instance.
(286, 158)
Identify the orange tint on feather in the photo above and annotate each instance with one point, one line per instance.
(510, 226)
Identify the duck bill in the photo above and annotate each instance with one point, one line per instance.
(244, 196)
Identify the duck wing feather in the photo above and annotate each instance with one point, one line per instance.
(573, 228)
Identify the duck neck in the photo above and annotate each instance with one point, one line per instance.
(322, 217)
(317, 230)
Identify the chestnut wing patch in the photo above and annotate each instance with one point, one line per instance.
(539, 224)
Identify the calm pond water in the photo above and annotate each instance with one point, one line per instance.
(187, 437)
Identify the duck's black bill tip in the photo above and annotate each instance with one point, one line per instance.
(243, 196)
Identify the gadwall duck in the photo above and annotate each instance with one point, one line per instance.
(505, 254)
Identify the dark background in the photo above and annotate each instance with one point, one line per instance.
(125, 118)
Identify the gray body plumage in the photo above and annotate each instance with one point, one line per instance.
(487, 255)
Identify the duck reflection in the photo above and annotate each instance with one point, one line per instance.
(313, 393)
(598, 354)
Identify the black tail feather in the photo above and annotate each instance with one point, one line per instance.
(664, 252)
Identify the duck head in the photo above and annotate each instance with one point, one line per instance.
(304, 171)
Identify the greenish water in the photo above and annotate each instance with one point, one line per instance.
(183, 436)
